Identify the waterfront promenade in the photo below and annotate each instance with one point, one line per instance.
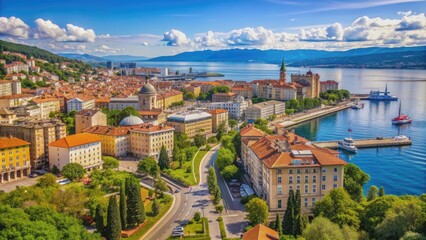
(367, 143)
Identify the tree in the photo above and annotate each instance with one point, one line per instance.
(289, 214)
(197, 216)
(337, 206)
(230, 172)
(373, 193)
(216, 195)
(55, 170)
(123, 207)
(155, 207)
(221, 130)
(73, 171)
(200, 140)
(99, 219)
(211, 180)
(163, 160)
(149, 166)
(150, 193)
(292, 104)
(225, 157)
(413, 236)
(110, 163)
(135, 207)
(219, 208)
(237, 144)
(128, 111)
(160, 186)
(48, 180)
(189, 96)
(277, 225)
(322, 229)
(354, 181)
(232, 123)
(257, 211)
(113, 228)
(382, 191)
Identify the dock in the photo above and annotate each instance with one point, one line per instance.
(367, 143)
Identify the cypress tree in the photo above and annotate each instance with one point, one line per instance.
(211, 180)
(113, 228)
(298, 218)
(382, 191)
(155, 207)
(163, 160)
(135, 207)
(278, 226)
(123, 207)
(99, 219)
(288, 220)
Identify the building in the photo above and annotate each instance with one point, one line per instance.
(264, 110)
(249, 135)
(15, 159)
(245, 90)
(16, 67)
(122, 103)
(219, 116)
(102, 102)
(148, 105)
(5, 88)
(196, 90)
(284, 92)
(39, 133)
(15, 100)
(80, 103)
(235, 108)
(83, 148)
(283, 73)
(329, 85)
(309, 80)
(110, 65)
(277, 164)
(223, 97)
(147, 140)
(261, 232)
(191, 123)
(88, 118)
(166, 99)
(7, 116)
(16, 87)
(47, 105)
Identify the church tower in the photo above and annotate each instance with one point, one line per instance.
(147, 97)
(283, 73)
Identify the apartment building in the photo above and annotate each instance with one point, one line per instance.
(39, 133)
(5, 88)
(80, 103)
(264, 110)
(219, 116)
(83, 148)
(47, 105)
(235, 108)
(88, 118)
(223, 97)
(7, 116)
(115, 141)
(277, 164)
(147, 140)
(191, 123)
(329, 85)
(16, 67)
(15, 159)
(15, 100)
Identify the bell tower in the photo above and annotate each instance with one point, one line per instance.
(283, 73)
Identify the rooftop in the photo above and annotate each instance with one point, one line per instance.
(189, 116)
(75, 140)
(261, 232)
(10, 142)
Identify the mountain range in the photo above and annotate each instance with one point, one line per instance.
(96, 59)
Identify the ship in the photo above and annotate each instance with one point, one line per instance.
(357, 105)
(348, 145)
(381, 96)
(401, 118)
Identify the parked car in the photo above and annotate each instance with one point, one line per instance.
(178, 229)
(177, 234)
(177, 190)
(33, 175)
(400, 137)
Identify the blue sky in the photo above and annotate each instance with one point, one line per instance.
(154, 28)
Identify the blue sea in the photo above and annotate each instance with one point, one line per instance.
(400, 170)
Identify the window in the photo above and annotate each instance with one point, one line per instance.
(323, 178)
(314, 179)
(335, 169)
(324, 170)
(313, 201)
(307, 170)
(306, 189)
(278, 171)
(323, 187)
(298, 179)
(306, 179)
(279, 190)
(334, 185)
(290, 188)
(290, 171)
(306, 202)
(298, 187)
(299, 171)
(335, 178)
(314, 170)
(314, 188)
(279, 179)
(290, 179)
(279, 204)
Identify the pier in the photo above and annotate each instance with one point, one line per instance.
(367, 143)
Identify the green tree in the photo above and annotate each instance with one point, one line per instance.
(232, 123)
(135, 207)
(382, 191)
(221, 130)
(163, 160)
(48, 180)
(292, 104)
(55, 170)
(354, 181)
(278, 226)
(322, 229)
(289, 214)
(219, 208)
(200, 140)
(128, 111)
(211, 180)
(110, 163)
(113, 228)
(73, 171)
(257, 211)
(123, 207)
(337, 206)
(160, 186)
(197, 216)
(237, 144)
(225, 157)
(230, 172)
(373, 193)
(155, 207)
(99, 219)
(413, 236)
(216, 195)
(189, 96)
(149, 166)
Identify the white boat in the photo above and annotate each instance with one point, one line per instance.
(357, 105)
(348, 145)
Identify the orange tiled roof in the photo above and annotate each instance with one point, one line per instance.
(217, 111)
(15, 96)
(251, 131)
(7, 142)
(261, 232)
(43, 100)
(75, 140)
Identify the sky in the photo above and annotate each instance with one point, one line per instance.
(159, 28)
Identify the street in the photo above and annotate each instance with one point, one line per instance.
(10, 186)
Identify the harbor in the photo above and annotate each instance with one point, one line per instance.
(368, 143)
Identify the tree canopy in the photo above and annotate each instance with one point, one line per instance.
(257, 211)
(73, 171)
(149, 166)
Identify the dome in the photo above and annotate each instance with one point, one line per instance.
(130, 121)
(148, 89)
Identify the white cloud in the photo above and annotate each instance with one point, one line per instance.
(251, 36)
(104, 49)
(48, 29)
(412, 22)
(210, 39)
(175, 38)
(144, 44)
(13, 26)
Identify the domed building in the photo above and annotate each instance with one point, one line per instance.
(131, 121)
(147, 97)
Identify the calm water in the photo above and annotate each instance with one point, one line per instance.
(401, 170)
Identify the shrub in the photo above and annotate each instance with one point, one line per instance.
(188, 169)
(197, 216)
(246, 199)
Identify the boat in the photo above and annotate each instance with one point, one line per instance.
(357, 105)
(401, 118)
(381, 96)
(348, 145)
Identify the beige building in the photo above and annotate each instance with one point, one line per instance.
(47, 105)
(15, 159)
(39, 133)
(5, 88)
(329, 85)
(83, 148)
(309, 80)
(191, 123)
(265, 110)
(147, 140)
(223, 97)
(88, 118)
(277, 164)
(80, 103)
(246, 91)
(115, 141)
(219, 116)
(16, 100)
(7, 116)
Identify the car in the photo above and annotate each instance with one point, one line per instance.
(33, 175)
(400, 138)
(178, 229)
(58, 175)
(177, 234)
(177, 190)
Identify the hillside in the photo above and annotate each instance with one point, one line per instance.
(95, 59)
(378, 57)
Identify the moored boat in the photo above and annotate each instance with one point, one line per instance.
(401, 118)
(348, 145)
(381, 96)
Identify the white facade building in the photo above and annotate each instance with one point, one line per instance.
(235, 108)
(122, 103)
(78, 104)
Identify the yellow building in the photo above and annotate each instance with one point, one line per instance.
(147, 140)
(114, 140)
(191, 123)
(309, 80)
(15, 159)
(219, 116)
(166, 99)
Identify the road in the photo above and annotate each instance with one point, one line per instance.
(10, 186)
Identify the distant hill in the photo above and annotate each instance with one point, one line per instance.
(402, 57)
(31, 51)
(124, 58)
(96, 59)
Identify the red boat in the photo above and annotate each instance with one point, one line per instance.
(402, 118)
